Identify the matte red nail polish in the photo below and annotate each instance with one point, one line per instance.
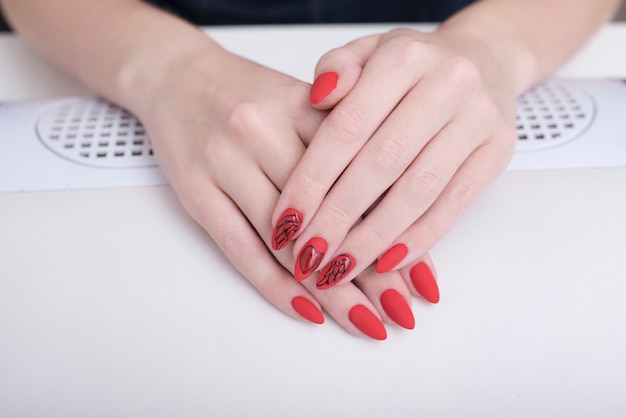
(391, 258)
(288, 224)
(424, 282)
(310, 258)
(307, 309)
(367, 322)
(334, 271)
(322, 86)
(397, 308)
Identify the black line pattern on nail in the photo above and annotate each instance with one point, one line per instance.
(286, 228)
(335, 271)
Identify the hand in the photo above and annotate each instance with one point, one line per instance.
(420, 126)
(227, 141)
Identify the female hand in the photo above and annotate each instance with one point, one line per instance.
(420, 126)
(227, 141)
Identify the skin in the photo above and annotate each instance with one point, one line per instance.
(426, 120)
(214, 118)
(229, 119)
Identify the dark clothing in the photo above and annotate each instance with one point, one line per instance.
(245, 12)
(229, 12)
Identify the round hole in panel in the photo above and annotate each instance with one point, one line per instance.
(96, 133)
(551, 114)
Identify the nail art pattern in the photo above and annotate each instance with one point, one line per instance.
(336, 270)
(310, 257)
(288, 224)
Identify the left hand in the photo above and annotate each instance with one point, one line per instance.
(421, 124)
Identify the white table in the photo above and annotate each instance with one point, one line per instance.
(114, 303)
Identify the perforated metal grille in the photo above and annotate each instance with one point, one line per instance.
(552, 114)
(97, 133)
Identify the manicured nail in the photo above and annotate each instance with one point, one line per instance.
(310, 258)
(334, 271)
(322, 86)
(367, 322)
(391, 258)
(397, 308)
(288, 224)
(307, 309)
(424, 282)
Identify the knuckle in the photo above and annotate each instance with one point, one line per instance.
(405, 47)
(247, 118)
(463, 73)
(341, 215)
(232, 243)
(427, 234)
(345, 124)
(462, 196)
(311, 182)
(424, 186)
(390, 156)
(374, 238)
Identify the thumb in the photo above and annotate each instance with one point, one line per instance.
(338, 70)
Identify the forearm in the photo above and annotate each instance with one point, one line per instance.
(529, 39)
(116, 47)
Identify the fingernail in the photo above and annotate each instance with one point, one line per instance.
(307, 309)
(288, 224)
(391, 258)
(425, 282)
(334, 271)
(367, 322)
(322, 86)
(397, 308)
(310, 258)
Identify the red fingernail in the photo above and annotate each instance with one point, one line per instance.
(397, 308)
(334, 271)
(391, 258)
(425, 282)
(322, 86)
(310, 258)
(307, 309)
(288, 224)
(367, 322)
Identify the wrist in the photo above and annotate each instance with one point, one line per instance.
(504, 58)
(162, 64)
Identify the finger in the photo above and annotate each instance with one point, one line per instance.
(342, 134)
(271, 140)
(338, 70)
(250, 256)
(379, 164)
(389, 294)
(350, 307)
(481, 167)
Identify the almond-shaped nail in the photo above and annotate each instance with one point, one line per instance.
(334, 271)
(424, 282)
(322, 86)
(391, 258)
(307, 309)
(367, 322)
(310, 258)
(286, 227)
(397, 308)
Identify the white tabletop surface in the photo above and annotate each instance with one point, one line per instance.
(114, 303)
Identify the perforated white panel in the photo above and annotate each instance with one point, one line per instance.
(96, 133)
(552, 114)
